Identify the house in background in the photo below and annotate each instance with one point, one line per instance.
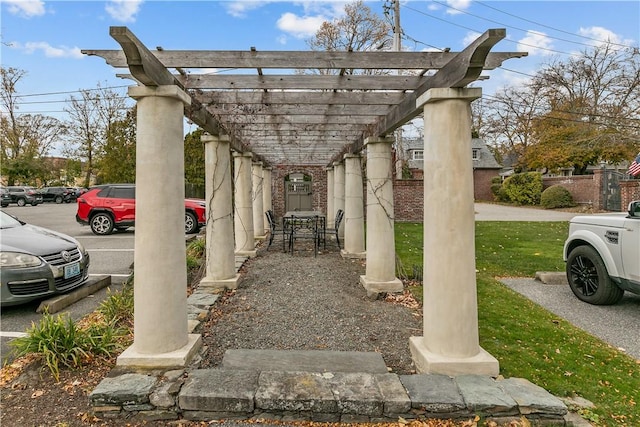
(485, 166)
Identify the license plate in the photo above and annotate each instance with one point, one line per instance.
(71, 270)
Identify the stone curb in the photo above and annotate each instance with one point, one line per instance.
(60, 302)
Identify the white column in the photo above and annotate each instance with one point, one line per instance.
(331, 210)
(257, 201)
(353, 208)
(338, 191)
(266, 194)
(220, 258)
(243, 212)
(161, 337)
(450, 344)
(381, 248)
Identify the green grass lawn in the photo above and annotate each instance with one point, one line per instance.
(529, 341)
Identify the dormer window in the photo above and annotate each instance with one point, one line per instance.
(475, 154)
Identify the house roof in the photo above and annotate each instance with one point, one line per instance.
(303, 107)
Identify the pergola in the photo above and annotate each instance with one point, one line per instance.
(304, 108)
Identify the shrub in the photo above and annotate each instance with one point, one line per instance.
(556, 196)
(117, 309)
(60, 342)
(523, 188)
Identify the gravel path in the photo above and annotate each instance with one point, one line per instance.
(303, 302)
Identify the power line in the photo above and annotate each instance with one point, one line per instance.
(71, 91)
(528, 31)
(549, 27)
(480, 32)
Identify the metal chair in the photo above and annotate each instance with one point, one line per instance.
(276, 230)
(304, 228)
(334, 230)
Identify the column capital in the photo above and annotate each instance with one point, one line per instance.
(440, 94)
(337, 163)
(237, 154)
(352, 156)
(379, 140)
(207, 137)
(168, 91)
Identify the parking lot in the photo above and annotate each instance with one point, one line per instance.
(110, 255)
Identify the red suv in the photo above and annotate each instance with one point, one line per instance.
(110, 206)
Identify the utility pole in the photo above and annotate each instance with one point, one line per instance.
(397, 47)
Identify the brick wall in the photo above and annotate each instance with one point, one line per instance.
(581, 187)
(318, 186)
(408, 199)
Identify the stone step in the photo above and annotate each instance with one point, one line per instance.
(305, 361)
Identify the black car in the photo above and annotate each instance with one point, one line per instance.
(58, 194)
(6, 198)
(23, 195)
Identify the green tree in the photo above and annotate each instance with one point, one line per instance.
(194, 170)
(117, 161)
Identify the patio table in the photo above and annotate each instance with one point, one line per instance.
(289, 224)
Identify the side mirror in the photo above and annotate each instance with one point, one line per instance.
(634, 209)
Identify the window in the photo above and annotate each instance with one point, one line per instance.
(475, 154)
(417, 155)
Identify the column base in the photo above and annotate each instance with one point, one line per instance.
(430, 363)
(248, 254)
(261, 237)
(374, 287)
(179, 358)
(207, 283)
(353, 255)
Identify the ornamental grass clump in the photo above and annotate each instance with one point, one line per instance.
(60, 342)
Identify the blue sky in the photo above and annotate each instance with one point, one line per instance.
(44, 38)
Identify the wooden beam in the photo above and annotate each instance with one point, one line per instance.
(294, 59)
(297, 109)
(297, 81)
(300, 97)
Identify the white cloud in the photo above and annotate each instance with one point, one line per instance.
(535, 43)
(123, 10)
(50, 51)
(469, 38)
(457, 4)
(239, 9)
(603, 35)
(300, 26)
(25, 8)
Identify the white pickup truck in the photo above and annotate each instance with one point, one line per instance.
(602, 254)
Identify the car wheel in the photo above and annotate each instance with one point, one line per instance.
(589, 279)
(58, 199)
(21, 202)
(190, 223)
(34, 203)
(4, 206)
(101, 224)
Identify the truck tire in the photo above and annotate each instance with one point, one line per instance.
(589, 279)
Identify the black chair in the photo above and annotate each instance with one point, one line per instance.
(276, 230)
(334, 230)
(303, 227)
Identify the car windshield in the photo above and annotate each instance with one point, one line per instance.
(7, 221)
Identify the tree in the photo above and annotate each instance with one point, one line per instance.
(91, 118)
(194, 168)
(573, 113)
(25, 138)
(594, 101)
(117, 161)
(359, 29)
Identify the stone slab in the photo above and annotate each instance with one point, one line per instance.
(356, 393)
(483, 395)
(395, 397)
(294, 391)
(123, 390)
(552, 278)
(219, 390)
(305, 361)
(202, 300)
(435, 393)
(174, 359)
(532, 399)
(60, 302)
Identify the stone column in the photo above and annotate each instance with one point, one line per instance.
(243, 213)
(450, 344)
(353, 208)
(266, 194)
(338, 192)
(161, 337)
(331, 210)
(258, 201)
(380, 274)
(220, 258)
